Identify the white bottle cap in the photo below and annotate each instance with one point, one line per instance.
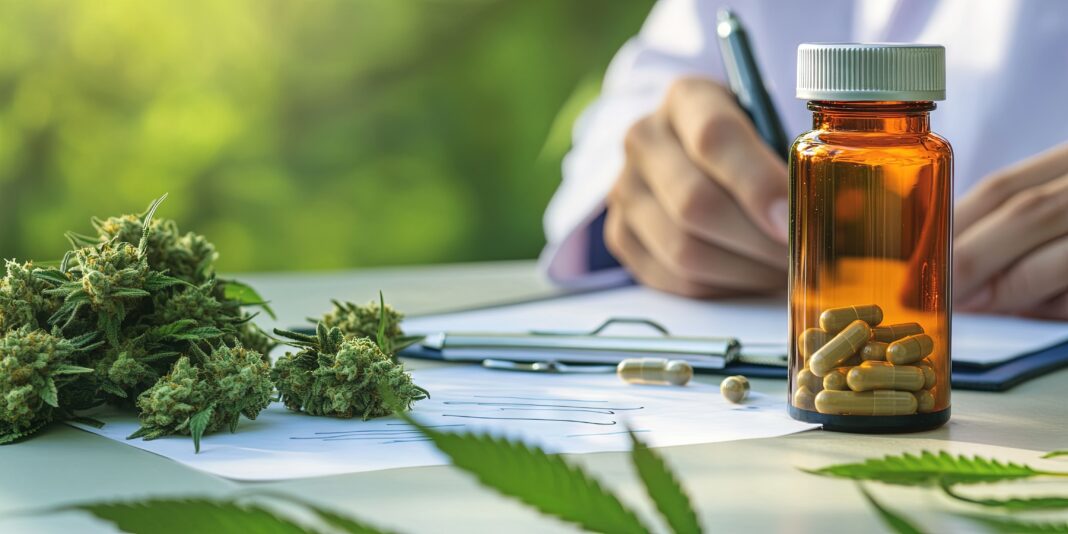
(871, 71)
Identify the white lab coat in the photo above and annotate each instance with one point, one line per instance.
(1006, 77)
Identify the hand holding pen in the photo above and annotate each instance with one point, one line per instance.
(700, 206)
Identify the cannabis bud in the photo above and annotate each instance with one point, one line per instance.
(371, 320)
(341, 376)
(121, 307)
(189, 257)
(34, 370)
(23, 300)
(206, 393)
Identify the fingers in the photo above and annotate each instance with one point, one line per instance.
(1029, 284)
(718, 136)
(693, 201)
(998, 188)
(683, 254)
(1055, 308)
(1026, 221)
(626, 247)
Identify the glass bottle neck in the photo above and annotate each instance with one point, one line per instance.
(881, 117)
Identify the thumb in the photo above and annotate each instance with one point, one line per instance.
(719, 137)
(758, 180)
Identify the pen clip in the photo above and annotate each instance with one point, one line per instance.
(605, 325)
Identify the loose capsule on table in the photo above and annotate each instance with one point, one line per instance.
(659, 371)
(734, 388)
(833, 320)
(909, 349)
(811, 340)
(893, 332)
(882, 375)
(840, 348)
(882, 402)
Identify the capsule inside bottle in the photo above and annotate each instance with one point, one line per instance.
(882, 375)
(910, 349)
(865, 403)
(843, 346)
(893, 332)
(835, 319)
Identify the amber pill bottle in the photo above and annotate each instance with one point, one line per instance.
(870, 241)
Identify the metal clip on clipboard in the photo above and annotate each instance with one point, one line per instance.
(558, 351)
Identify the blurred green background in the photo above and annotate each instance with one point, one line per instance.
(298, 135)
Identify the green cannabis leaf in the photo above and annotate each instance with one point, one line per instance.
(245, 295)
(663, 488)
(342, 523)
(542, 481)
(380, 335)
(891, 519)
(1013, 526)
(198, 423)
(1054, 454)
(1014, 504)
(180, 516)
(929, 469)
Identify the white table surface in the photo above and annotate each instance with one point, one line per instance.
(742, 486)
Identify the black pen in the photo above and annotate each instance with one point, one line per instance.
(746, 82)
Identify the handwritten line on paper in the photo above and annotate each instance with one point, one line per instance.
(534, 398)
(587, 410)
(412, 429)
(609, 423)
(283, 445)
(606, 433)
(474, 403)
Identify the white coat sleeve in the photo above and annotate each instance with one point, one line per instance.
(676, 40)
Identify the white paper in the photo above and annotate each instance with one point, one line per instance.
(977, 339)
(562, 413)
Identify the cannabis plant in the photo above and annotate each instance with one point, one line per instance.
(122, 307)
(341, 376)
(36, 371)
(205, 393)
(371, 320)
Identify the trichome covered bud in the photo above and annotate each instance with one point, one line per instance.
(34, 368)
(341, 376)
(370, 321)
(206, 393)
(23, 300)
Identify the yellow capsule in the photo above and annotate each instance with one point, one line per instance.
(929, 376)
(804, 398)
(805, 378)
(910, 349)
(840, 348)
(853, 360)
(869, 376)
(811, 340)
(882, 402)
(924, 401)
(893, 332)
(873, 351)
(835, 319)
(734, 388)
(836, 379)
(659, 371)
